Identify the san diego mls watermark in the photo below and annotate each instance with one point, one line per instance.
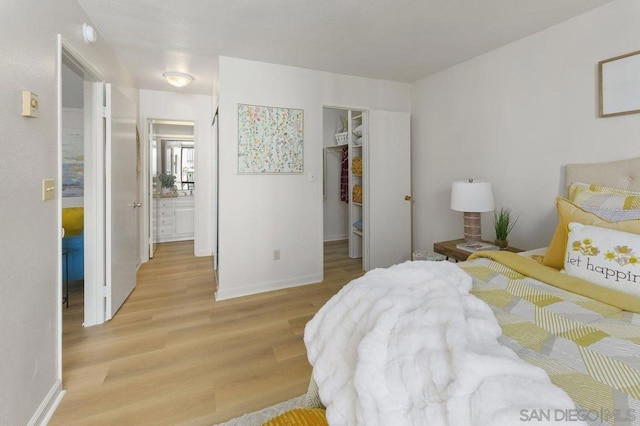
(577, 415)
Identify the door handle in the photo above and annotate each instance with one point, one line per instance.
(134, 205)
(408, 198)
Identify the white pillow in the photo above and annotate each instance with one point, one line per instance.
(358, 130)
(605, 257)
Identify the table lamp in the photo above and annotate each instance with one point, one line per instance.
(472, 197)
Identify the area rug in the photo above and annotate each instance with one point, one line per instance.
(257, 418)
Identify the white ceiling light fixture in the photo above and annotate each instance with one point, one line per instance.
(178, 79)
(89, 34)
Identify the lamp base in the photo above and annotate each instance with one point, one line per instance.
(472, 228)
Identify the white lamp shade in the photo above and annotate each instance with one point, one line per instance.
(471, 196)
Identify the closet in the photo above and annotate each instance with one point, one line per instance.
(344, 175)
(367, 183)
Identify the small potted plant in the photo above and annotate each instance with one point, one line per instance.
(503, 222)
(166, 182)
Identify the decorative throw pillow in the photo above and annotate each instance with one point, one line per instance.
(605, 257)
(569, 212)
(613, 215)
(584, 194)
(300, 417)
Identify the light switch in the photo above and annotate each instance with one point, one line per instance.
(48, 189)
(29, 104)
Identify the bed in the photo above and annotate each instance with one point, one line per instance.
(555, 341)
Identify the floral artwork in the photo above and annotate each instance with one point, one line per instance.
(270, 140)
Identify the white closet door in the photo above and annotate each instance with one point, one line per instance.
(388, 201)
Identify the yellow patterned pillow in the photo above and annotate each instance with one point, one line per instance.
(300, 417)
(569, 212)
(584, 195)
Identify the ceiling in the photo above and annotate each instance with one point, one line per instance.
(398, 40)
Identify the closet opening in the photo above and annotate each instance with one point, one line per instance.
(344, 180)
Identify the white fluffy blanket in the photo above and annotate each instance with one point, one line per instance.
(409, 345)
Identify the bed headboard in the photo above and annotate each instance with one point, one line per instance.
(624, 174)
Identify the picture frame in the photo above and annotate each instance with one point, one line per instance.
(270, 140)
(619, 85)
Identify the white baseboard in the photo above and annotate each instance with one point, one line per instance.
(203, 253)
(231, 293)
(340, 237)
(48, 406)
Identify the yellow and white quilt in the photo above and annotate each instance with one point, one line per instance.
(589, 348)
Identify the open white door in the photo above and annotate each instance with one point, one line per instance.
(153, 172)
(387, 190)
(120, 199)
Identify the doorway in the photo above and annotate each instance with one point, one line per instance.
(105, 186)
(172, 182)
(344, 181)
(375, 182)
(72, 187)
(82, 212)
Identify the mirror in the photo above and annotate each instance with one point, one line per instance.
(172, 146)
(177, 159)
(619, 81)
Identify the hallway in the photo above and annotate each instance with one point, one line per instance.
(172, 355)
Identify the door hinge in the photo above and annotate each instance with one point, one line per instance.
(104, 111)
(105, 291)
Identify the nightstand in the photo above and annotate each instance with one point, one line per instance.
(449, 249)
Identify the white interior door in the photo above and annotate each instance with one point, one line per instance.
(121, 204)
(153, 171)
(387, 190)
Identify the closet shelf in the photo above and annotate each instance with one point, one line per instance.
(357, 204)
(335, 147)
(357, 117)
(356, 175)
(355, 231)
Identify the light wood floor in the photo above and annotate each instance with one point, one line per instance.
(173, 355)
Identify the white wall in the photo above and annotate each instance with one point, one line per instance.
(196, 108)
(335, 212)
(515, 117)
(30, 296)
(261, 213)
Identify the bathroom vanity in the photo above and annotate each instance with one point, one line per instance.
(174, 218)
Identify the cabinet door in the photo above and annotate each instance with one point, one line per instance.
(388, 211)
(183, 221)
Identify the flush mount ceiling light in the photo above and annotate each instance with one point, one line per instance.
(177, 79)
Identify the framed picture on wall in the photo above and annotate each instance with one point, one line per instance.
(72, 163)
(270, 140)
(619, 84)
